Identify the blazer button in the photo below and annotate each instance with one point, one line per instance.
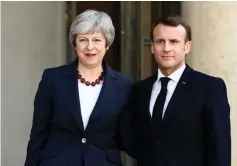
(83, 140)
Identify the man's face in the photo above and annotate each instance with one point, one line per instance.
(169, 47)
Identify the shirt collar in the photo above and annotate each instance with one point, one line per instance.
(175, 76)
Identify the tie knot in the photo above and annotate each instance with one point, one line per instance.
(164, 81)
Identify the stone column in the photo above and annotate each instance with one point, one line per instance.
(146, 56)
(131, 38)
(130, 49)
(214, 52)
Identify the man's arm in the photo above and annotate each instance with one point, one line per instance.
(217, 125)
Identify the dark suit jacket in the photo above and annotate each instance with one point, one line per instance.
(58, 137)
(195, 130)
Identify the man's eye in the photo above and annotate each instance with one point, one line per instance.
(159, 41)
(174, 41)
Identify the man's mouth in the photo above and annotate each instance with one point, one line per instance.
(167, 57)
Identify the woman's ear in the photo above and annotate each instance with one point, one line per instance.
(74, 46)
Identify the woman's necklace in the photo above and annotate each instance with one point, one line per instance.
(88, 83)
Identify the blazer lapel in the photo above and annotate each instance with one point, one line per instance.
(108, 92)
(70, 93)
(179, 93)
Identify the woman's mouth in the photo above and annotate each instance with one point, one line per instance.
(90, 55)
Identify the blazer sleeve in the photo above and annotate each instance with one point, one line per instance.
(41, 120)
(127, 127)
(217, 125)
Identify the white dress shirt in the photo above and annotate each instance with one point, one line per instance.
(88, 96)
(175, 76)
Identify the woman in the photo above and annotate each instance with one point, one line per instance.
(77, 106)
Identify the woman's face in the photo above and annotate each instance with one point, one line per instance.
(91, 49)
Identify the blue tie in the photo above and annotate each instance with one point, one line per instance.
(160, 100)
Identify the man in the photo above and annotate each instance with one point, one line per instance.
(181, 116)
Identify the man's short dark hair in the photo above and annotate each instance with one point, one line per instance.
(174, 21)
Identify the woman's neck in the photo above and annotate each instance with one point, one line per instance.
(90, 74)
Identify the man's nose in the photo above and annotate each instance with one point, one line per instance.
(167, 47)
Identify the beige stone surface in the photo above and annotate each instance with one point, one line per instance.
(32, 39)
(214, 48)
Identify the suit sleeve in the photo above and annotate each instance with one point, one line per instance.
(217, 125)
(41, 121)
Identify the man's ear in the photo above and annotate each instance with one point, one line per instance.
(187, 47)
(152, 48)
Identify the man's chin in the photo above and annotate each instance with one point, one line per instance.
(167, 65)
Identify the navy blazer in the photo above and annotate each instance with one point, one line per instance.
(58, 137)
(195, 130)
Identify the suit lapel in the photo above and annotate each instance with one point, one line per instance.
(70, 94)
(147, 96)
(179, 93)
(108, 92)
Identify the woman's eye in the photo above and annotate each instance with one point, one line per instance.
(97, 40)
(81, 40)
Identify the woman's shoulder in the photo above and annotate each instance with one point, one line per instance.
(119, 75)
(55, 71)
(60, 68)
